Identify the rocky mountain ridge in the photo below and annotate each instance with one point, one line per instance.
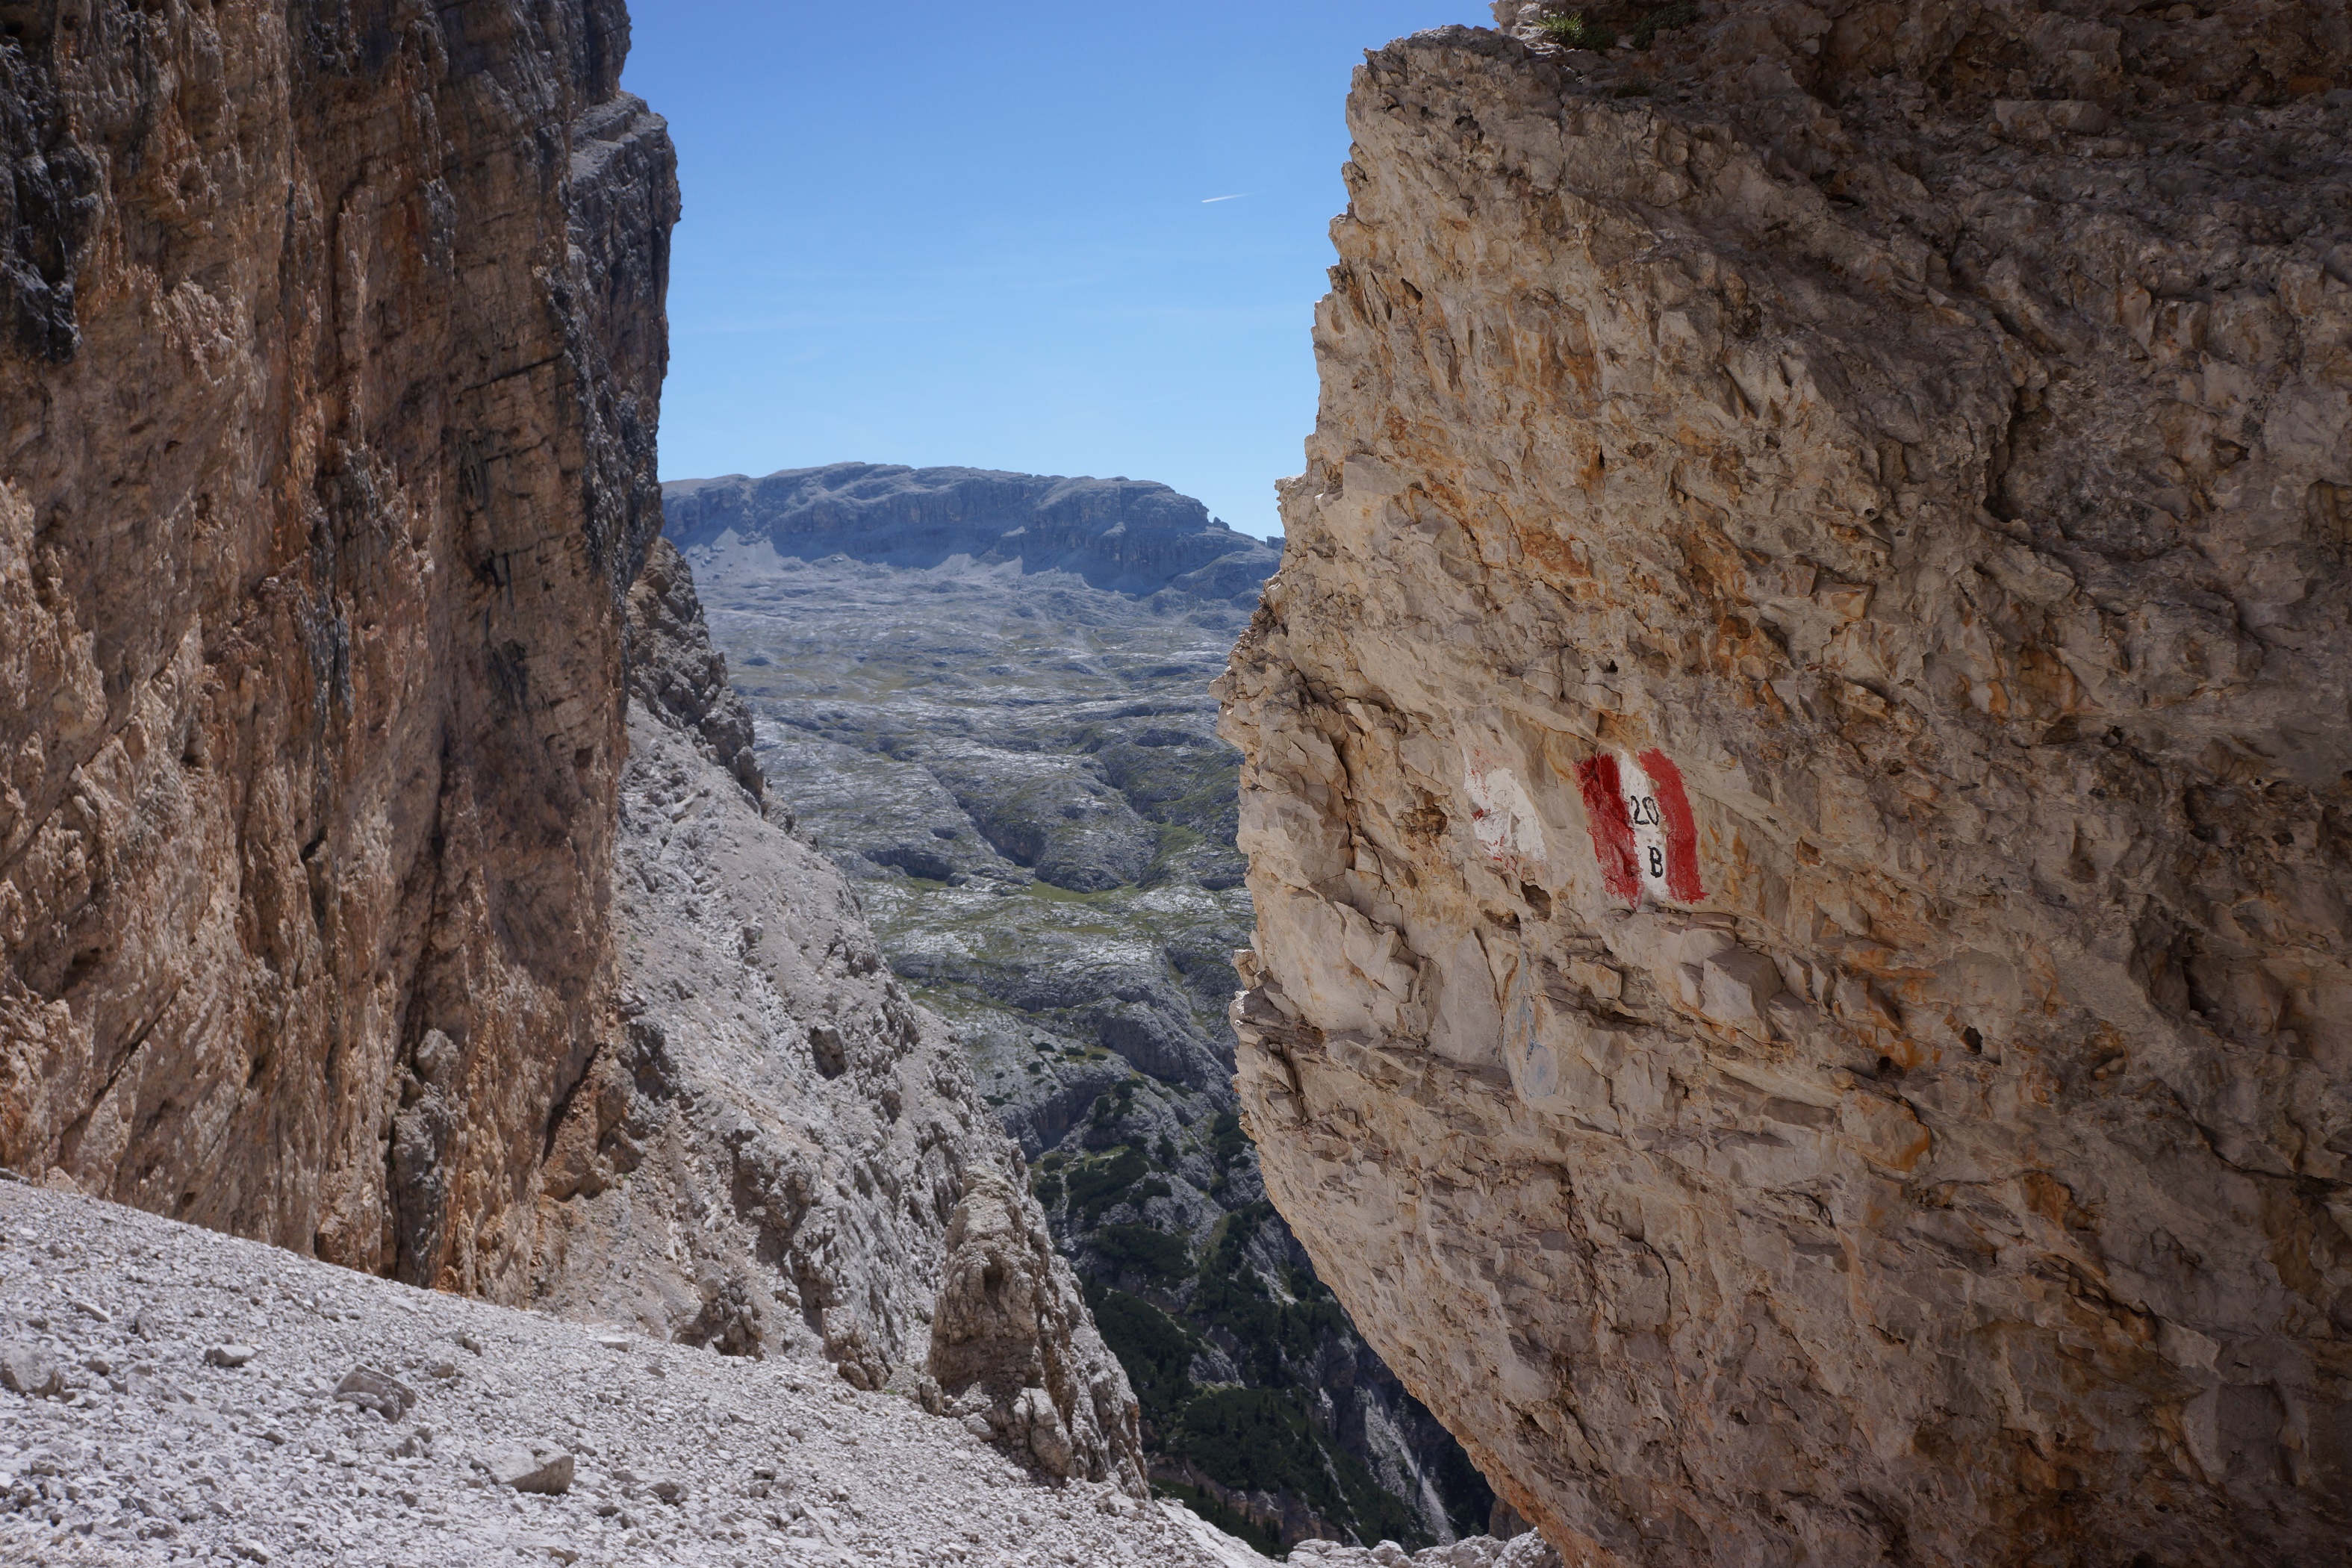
(1796, 771)
(1124, 536)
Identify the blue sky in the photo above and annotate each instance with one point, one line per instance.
(984, 233)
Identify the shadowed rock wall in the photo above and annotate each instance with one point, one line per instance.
(327, 418)
(1797, 780)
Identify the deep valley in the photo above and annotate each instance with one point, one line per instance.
(1019, 769)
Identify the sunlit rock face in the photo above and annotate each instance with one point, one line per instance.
(329, 387)
(1797, 780)
(342, 678)
(383, 870)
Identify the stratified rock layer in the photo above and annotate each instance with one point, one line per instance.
(1800, 785)
(326, 455)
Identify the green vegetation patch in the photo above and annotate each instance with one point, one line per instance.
(1156, 1350)
(1252, 1438)
(1113, 1103)
(1682, 14)
(1575, 31)
(1271, 1336)
(1580, 30)
(1096, 1184)
(1469, 1500)
(1226, 1137)
(1148, 1250)
(1048, 893)
(1192, 787)
(1232, 1521)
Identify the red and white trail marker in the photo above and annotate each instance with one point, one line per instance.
(1643, 833)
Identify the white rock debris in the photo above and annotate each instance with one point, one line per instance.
(489, 1434)
(1528, 1550)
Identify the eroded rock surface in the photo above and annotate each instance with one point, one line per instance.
(1007, 1306)
(342, 678)
(1797, 780)
(326, 453)
(678, 677)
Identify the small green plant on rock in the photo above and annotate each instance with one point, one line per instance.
(1574, 31)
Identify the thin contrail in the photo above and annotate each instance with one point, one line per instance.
(1206, 200)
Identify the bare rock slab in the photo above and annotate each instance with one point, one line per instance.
(1797, 773)
(530, 1468)
(30, 1370)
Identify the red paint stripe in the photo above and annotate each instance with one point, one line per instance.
(1682, 832)
(1613, 829)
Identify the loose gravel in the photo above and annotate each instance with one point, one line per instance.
(1480, 1551)
(174, 1396)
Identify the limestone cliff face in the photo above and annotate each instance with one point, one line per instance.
(343, 681)
(1800, 782)
(327, 413)
(678, 677)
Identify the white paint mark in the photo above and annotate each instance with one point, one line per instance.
(1502, 816)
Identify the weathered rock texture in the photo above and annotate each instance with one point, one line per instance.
(1013, 1342)
(328, 412)
(679, 676)
(778, 1152)
(329, 481)
(1797, 782)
